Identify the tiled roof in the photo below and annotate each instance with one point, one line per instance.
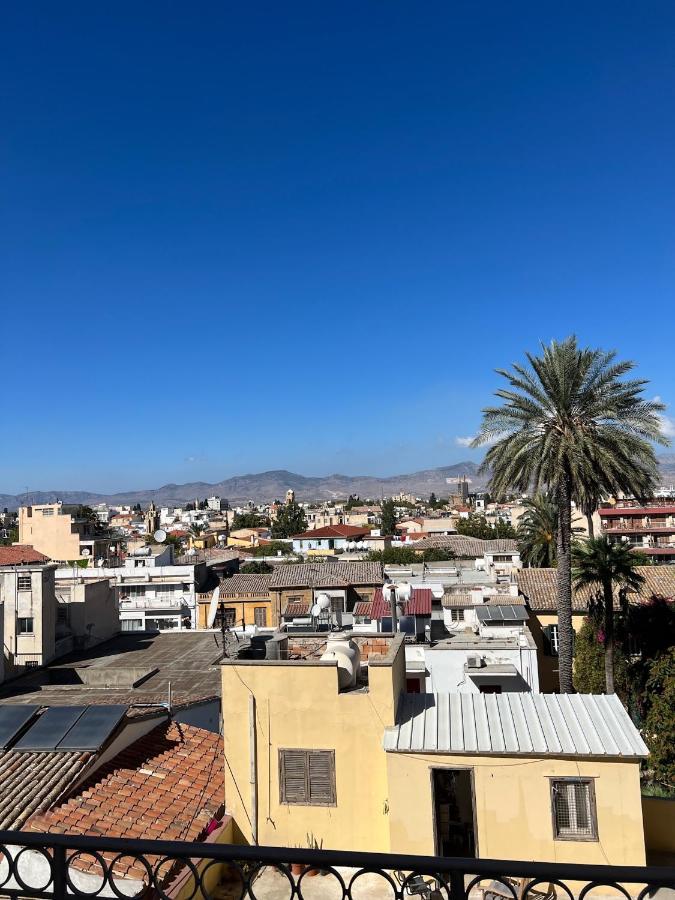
(464, 546)
(539, 587)
(459, 600)
(31, 782)
(326, 574)
(418, 605)
(297, 608)
(21, 555)
(168, 785)
(332, 531)
(259, 585)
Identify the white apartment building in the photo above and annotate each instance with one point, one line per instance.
(152, 593)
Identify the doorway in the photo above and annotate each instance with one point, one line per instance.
(454, 824)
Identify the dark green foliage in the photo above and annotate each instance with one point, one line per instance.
(249, 520)
(388, 517)
(538, 531)
(659, 726)
(256, 568)
(290, 520)
(271, 548)
(354, 500)
(478, 527)
(569, 419)
(589, 661)
(405, 556)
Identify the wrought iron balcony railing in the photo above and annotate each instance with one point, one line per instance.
(61, 866)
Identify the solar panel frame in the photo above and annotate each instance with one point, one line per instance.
(14, 718)
(93, 728)
(49, 729)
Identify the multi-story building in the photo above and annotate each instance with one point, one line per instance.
(63, 537)
(152, 593)
(648, 526)
(28, 609)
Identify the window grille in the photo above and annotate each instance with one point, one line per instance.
(573, 802)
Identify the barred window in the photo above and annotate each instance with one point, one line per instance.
(23, 583)
(457, 615)
(573, 808)
(307, 777)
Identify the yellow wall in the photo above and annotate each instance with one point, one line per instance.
(549, 682)
(298, 706)
(513, 807)
(244, 609)
(52, 535)
(659, 818)
(384, 800)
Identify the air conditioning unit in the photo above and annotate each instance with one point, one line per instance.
(474, 661)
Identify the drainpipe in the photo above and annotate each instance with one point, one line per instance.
(254, 768)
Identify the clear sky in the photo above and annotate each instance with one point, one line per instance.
(243, 236)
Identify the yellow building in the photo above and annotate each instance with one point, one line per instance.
(363, 766)
(59, 535)
(244, 600)
(538, 587)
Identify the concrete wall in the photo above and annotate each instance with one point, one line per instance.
(53, 535)
(446, 669)
(38, 604)
(513, 807)
(93, 611)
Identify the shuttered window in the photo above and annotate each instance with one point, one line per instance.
(307, 777)
(260, 616)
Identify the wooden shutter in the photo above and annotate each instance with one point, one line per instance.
(293, 780)
(321, 768)
(307, 777)
(260, 616)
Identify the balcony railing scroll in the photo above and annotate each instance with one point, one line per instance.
(61, 865)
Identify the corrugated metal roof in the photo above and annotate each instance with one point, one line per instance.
(515, 724)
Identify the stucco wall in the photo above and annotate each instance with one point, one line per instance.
(298, 706)
(513, 807)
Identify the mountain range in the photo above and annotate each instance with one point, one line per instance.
(267, 486)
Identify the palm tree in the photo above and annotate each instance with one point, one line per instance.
(569, 418)
(606, 564)
(538, 531)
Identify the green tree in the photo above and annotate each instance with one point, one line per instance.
(433, 502)
(659, 726)
(256, 568)
(589, 660)
(569, 417)
(354, 500)
(607, 565)
(271, 548)
(479, 527)
(388, 517)
(248, 520)
(290, 520)
(538, 531)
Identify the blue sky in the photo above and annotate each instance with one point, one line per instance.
(237, 237)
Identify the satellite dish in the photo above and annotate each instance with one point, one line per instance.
(360, 545)
(323, 601)
(221, 537)
(86, 552)
(316, 610)
(213, 607)
(191, 551)
(403, 591)
(160, 535)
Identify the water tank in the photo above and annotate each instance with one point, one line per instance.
(340, 648)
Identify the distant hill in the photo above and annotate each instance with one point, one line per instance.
(267, 486)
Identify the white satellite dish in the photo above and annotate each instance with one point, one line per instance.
(323, 601)
(160, 535)
(222, 537)
(316, 610)
(86, 552)
(213, 607)
(360, 545)
(191, 551)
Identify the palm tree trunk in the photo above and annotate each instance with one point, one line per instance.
(609, 636)
(564, 585)
(589, 524)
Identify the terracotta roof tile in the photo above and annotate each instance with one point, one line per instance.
(256, 585)
(463, 546)
(326, 574)
(167, 785)
(538, 586)
(332, 531)
(21, 555)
